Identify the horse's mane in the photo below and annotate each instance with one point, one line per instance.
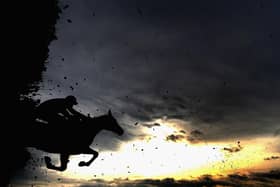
(100, 117)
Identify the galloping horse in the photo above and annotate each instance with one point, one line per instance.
(70, 139)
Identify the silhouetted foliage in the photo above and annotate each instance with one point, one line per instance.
(31, 27)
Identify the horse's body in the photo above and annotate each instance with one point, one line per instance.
(70, 139)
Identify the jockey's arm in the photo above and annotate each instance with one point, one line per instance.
(66, 114)
(76, 113)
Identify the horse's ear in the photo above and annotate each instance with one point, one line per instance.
(110, 113)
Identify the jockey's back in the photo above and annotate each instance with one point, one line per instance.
(53, 105)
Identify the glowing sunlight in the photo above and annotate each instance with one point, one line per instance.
(156, 157)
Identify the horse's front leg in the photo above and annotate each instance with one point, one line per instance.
(63, 163)
(89, 151)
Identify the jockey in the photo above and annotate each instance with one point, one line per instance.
(58, 110)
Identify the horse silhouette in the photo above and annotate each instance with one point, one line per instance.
(70, 138)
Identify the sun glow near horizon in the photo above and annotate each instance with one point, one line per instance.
(156, 157)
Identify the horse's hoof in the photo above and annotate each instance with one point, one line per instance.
(82, 163)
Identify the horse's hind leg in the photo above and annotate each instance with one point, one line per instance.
(63, 160)
(89, 151)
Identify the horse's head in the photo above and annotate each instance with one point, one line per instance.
(108, 122)
(113, 125)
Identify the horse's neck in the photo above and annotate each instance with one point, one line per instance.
(96, 127)
(94, 130)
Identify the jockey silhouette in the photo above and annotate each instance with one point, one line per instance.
(59, 110)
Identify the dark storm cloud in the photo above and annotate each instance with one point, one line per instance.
(196, 133)
(194, 136)
(269, 179)
(151, 125)
(277, 132)
(272, 158)
(175, 137)
(213, 64)
(182, 131)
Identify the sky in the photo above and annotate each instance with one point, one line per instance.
(194, 84)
